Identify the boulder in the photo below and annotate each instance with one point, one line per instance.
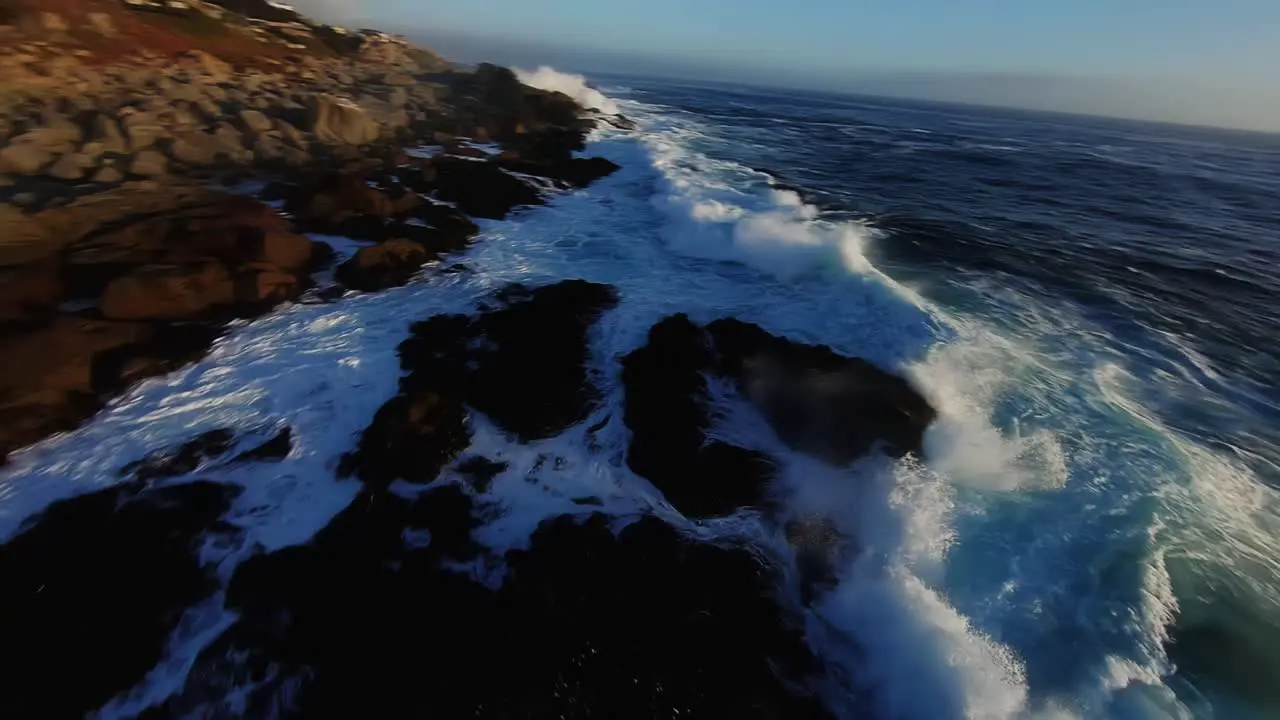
(195, 148)
(285, 250)
(255, 122)
(108, 175)
(28, 293)
(338, 121)
(338, 196)
(149, 163)
(23, 158)
(49, 376)
(106, 132)
(290, 134)
(57, 135)
(168, 292)
(211, 67)
(387, 264)
(142, 129)
(71, 166)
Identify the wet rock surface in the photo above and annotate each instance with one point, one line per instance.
(378, 617)
(835, 408)
(521, 362)
(94, 586)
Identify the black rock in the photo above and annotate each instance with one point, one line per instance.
(522, 363)
(184, 459)
(574, 172)
(275, 449)
(666, 410)
(481, 188)
(369, 620)
(819, 402)
(93, 587)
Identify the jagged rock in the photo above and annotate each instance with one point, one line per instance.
(666, 411)
(523, 361)
(95, 585)
(335, 120)
(482, 189)
(387, 264)
(589, 621)
(149, 163)
(71, 166)
(575, 172)
(24, 158)
(401, 79)
(833, 407)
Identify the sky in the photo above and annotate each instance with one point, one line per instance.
(1214, 62)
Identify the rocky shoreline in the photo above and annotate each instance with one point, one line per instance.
(146, 203)
(117, 235)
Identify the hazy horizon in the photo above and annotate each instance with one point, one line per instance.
(1188, 64)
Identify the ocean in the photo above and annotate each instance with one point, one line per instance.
(1093, 530)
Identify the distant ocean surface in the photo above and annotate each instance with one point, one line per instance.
(1095, 305)
(1094, 528)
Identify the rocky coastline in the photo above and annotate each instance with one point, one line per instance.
(148, 199)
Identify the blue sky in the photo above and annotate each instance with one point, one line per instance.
(1212, 61)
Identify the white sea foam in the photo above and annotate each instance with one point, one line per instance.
(575, 86)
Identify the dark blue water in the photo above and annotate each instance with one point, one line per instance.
(1122, 278)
